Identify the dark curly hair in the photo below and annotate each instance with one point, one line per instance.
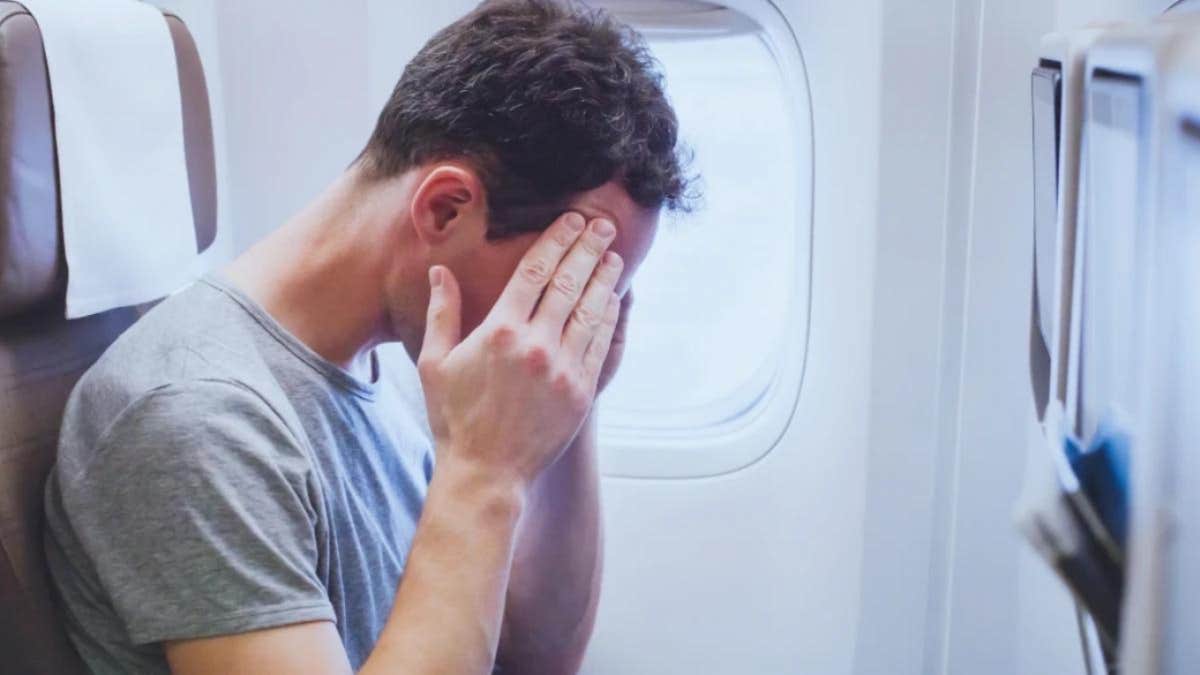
(546, 99)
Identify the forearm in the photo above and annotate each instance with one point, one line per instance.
(447, 614)
(554, 587)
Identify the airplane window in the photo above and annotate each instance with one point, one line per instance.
(713, 298)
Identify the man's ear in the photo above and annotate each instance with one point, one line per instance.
(448, 200)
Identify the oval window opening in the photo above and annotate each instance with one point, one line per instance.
(713, 296)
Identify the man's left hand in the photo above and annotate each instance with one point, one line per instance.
(617, 348)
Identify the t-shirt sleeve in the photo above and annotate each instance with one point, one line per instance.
(197, 513)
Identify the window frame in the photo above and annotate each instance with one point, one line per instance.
(734, 444)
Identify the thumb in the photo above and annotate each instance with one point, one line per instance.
(443, 323)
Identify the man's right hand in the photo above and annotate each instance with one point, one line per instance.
(511, 396)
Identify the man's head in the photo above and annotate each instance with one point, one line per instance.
(519, 111)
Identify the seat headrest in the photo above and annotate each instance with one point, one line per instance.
(32, 265)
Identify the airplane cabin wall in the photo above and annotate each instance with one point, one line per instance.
(877, 537)
(948, 586)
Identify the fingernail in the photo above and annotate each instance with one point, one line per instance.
(435, 276)
(612, 259)
(574, 222)
(604, 228)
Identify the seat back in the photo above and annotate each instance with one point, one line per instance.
(42, 354)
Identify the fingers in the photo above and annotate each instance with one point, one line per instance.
(588, 315)
(597, 351)
(536, 268)
(443, 323)
(572, 276)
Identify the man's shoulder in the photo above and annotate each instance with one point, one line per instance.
(178, 426)
(196, 332)
(191, 352)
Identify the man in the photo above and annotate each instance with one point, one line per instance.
(245, 483)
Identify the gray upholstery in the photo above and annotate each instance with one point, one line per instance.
(41, 353)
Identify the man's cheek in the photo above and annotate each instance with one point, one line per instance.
(476, 307)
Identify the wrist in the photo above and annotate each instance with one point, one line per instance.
(499, 496)
(587, 434)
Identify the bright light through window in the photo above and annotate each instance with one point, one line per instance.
(713, 298)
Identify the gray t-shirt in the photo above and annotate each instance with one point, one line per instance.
(216, 476)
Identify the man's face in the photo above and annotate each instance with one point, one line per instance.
(496, 262)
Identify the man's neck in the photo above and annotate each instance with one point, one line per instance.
(321, 275)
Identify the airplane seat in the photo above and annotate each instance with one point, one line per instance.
(42, 354)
